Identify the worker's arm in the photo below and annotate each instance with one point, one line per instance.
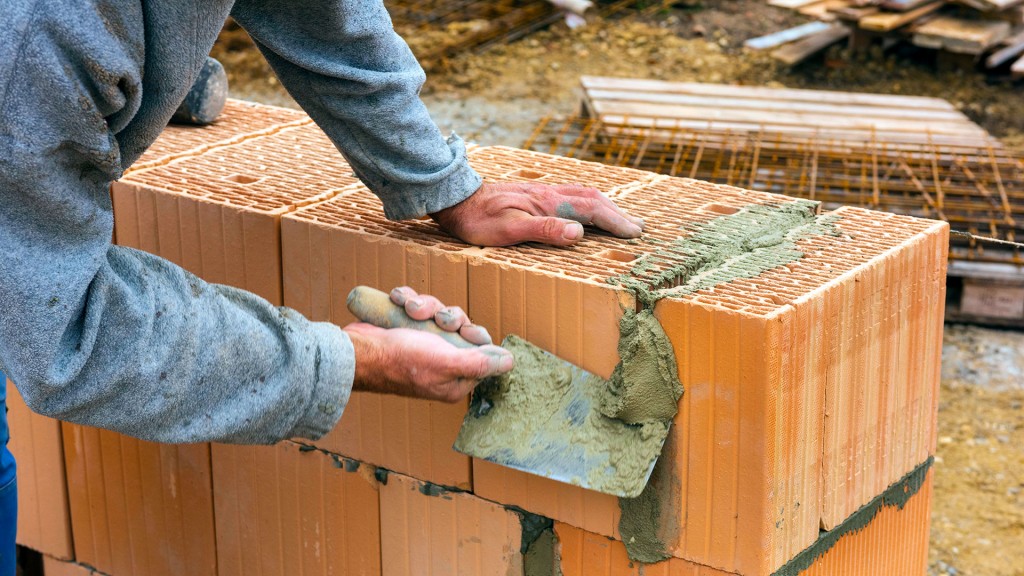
(119, 339)
(344, 64)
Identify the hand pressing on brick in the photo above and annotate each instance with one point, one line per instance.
(511, 213)
(415, 363)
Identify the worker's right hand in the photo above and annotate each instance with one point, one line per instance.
(419, 364)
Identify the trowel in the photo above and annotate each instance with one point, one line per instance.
(543, 417)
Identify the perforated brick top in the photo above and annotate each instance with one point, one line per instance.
(274, 173)
(747, 251)
(239, 120)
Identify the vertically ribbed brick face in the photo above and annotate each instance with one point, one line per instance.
(767, 357)
(430, 531)
(286, 509)
(894, 541)
(44, 522)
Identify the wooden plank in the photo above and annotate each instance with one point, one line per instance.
(793, 118)
(854, 13)
(610, 98)
(961, 36)
(902, 5)
(1014, 48)
(991, 5)
(797, 52)
(791, 4)
(886, 21)
(822, 10)
(793, 94)
(1017, 69)
(783, 36)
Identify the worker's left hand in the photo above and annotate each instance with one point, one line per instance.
(511, 213)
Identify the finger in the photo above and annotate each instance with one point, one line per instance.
(479, 363)
(475, 334)
(451, 318)
(599, 198)
(546, 229)
(601, 213)
(402, 294)
(422, 307)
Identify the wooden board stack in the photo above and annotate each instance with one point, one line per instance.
(907, 155)
(802, 445)
(967, 33)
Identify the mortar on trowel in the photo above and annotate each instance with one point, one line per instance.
(554, 419)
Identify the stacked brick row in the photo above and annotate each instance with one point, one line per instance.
(809, 404)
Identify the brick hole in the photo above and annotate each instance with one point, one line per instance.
(617, 255)
(242, 179)
(525, 174)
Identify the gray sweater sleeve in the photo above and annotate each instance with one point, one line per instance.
(344, 64)
(108, 336)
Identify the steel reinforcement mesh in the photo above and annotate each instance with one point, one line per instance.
(979, 191)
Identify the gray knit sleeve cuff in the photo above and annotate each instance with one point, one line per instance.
(445, 189)
(334, 370)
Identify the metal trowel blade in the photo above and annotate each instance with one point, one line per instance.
(546, 422)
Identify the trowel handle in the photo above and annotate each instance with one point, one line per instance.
(375, 307)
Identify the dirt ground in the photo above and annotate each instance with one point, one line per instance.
(498, 95)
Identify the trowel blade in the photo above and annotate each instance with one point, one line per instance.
(543, 418)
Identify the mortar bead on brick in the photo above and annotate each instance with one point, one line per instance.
(273, 173)
(238, 121)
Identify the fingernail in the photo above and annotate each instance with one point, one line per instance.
(505, 363)
(398, 296)
(415, 304)
(445, 315)
(640, 222)
(572, 231)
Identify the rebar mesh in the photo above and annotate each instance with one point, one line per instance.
(976, 190)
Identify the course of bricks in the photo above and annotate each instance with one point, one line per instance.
(810, 388)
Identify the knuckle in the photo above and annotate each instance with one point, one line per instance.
(549, 228)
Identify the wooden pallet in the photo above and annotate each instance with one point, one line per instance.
(963, 32)
(985, 293)
(841, 116)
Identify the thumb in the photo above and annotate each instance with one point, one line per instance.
(547, 229)
(482, 362)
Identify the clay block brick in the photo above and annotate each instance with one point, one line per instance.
(329, 251)
(139, 507)
(810, 385)
(286, 509)
(239, 121)
(433, 532)
(217, 215)
(892, 541)
(44, 522)
(55, 567)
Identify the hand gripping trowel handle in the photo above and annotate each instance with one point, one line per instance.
(375, 307)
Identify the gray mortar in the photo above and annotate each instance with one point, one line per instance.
(896, 495)
(746, 244)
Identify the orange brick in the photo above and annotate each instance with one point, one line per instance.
(212, 207)
(286, 509)
(430, 531)
(749, 470)
(55, 567)
(322, 263)
(893, 540)
(44, 523)
(139, 507)
(237, 122)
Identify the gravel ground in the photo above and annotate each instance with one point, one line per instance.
(497, 97)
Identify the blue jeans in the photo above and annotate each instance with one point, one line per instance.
(8, 491)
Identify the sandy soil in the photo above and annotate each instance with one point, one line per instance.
(497, 97)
